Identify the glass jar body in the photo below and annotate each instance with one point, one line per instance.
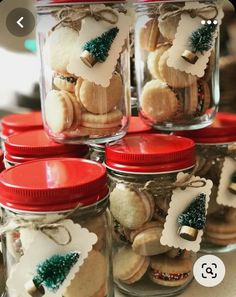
(219, 217)
(131, 241)
(99, 113)
(95, 218)
(171, 99)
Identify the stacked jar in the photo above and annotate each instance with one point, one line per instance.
(142, 265)
(177, 73)
(56, 229)
(17, 123)
(85, 87)
(136, 125)
(36, 144)
(216, 153)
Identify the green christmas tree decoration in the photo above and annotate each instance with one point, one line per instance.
(200, 41)
(232, 185)
(193, 218)
(97, 49)
(51, 273)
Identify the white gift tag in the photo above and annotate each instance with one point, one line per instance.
(224, 196)
(179, 201)
(43, 248)
(187, 26)
(100, 73)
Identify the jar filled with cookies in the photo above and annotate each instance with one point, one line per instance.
(55, 229)
(143, 170)
(216, 149)
(177, 53)
(85, 83)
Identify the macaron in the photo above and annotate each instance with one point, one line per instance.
(65, 82)
(146, 240)
(170, 272)
(131, 208)
(129, 267)
(102, 121)
(149, 35)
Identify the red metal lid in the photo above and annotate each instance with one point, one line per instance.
(53, 185)
(16, 123)
(150, 153)
(136, 125)
(33, 144)
(223, 130)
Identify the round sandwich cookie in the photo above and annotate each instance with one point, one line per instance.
(59, 47)
(131, 208)
(77, 89)
(99, 100)
(149, 35)
(129, 267)
(102, 121)
(90, 280)
(158, 101)
(176, 252)
(154, 58)
(146, 242)
(173, 77)
(65, 82)
(170, 272)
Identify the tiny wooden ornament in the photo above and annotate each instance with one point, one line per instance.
(232, 185)
(88, 59)
(33, 290)
(188, 233)
(190, 57)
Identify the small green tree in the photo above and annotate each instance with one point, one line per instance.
(53, 271)
(232, 185)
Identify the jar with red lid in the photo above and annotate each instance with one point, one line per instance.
(136, 125)
(17, 123)
(85, 85)
(36, 144)
(177, 62)
(142, 265)
(216, 145)
(55, 229)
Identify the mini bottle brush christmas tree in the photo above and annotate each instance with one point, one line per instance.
(51, 273)
(232, 185)
(193, 218)
(97, 49)
(201, 41)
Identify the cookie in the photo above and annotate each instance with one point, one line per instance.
(120, 234)
(129, 267)
(59, 47)
(149, 35)
(147, 241)
(99, 100)
(77, 89)
(176, 252)
(158, 101)
(170, 272)
(131, 208)
(173, 77)
(154, 58)
(90, 281)
(102, 121)
(65, 82)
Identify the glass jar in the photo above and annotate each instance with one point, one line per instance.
(36, 144)
(48, 213)
(85, 92)
(132, 163)
(17, 123)
(136, 125)
(171, 95)
(213, 145)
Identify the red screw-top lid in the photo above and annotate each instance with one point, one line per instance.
(150, 153)
(223, 130)
(53, 185)
(136, 125)
(33, 144)
(16, 123)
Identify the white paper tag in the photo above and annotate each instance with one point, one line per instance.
(179, 201)
(224, 196)
(42, 248)
(187, 26)
(100, 73)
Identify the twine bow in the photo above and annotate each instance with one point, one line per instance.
(72, 17)
(202, 12)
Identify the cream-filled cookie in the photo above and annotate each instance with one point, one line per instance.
(149, 35)
(65, 82)
(102, 121)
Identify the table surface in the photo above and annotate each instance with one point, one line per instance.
(226, 289)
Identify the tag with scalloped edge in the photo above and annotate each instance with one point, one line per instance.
(32, 274)
(227, 188)
(187, 26)
(181, 199)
